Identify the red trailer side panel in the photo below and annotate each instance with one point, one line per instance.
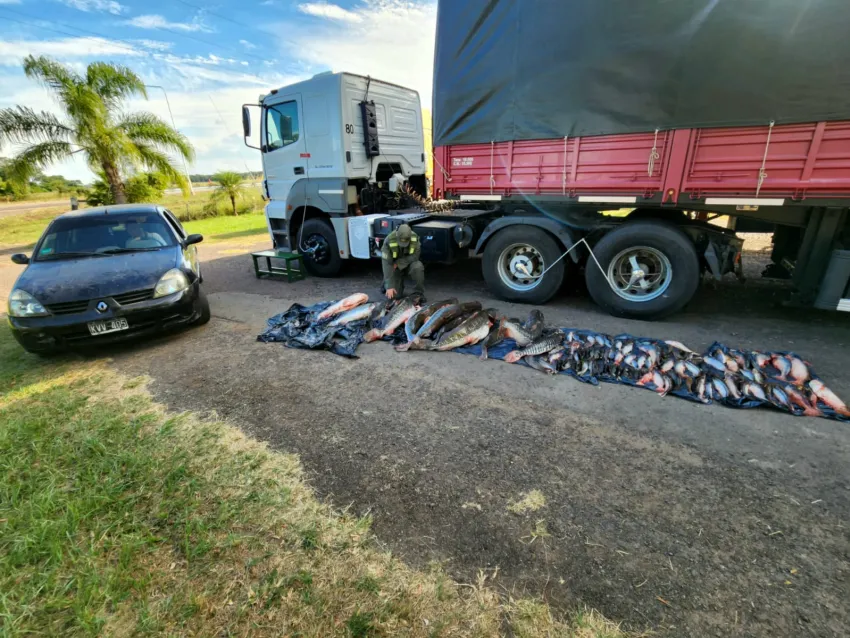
(802, 161)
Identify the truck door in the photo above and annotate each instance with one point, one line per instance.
(285, 157)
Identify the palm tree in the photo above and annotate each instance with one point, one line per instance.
(94, 125)
(229, 186)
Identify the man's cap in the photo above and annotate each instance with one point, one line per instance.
(404, 234)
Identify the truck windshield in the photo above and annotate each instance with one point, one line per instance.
(72, 237)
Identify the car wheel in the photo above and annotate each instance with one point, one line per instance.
(317, 243)
(515, 259)
(651, 271)
(204, 307)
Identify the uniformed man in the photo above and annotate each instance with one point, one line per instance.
(400, 257)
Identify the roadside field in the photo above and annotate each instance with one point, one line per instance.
(117, 517)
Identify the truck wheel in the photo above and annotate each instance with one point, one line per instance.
(514, 260)
(651, 271)
(318, 246)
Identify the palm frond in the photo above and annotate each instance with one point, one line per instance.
(114, 83)
(33, 159)
(22, 124)
(50, 73)
(155, 160)
(148, 129)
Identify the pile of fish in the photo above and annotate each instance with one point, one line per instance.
(737, 378)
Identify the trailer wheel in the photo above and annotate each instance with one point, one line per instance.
(514, 260)
(651, 271)
(317, 243)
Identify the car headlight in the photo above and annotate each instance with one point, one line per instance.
(23, 304)
(173, 281)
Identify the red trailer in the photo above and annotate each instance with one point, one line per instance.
(551, 112)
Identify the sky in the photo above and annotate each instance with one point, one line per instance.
(213, 57)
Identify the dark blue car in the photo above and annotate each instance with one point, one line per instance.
(107, 274)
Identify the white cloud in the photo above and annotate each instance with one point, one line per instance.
(13, 51)
(10, 1)
(159, 22)
(330, 11)
(392, 41)
(247, 45)
(108, 6)
(155, 45)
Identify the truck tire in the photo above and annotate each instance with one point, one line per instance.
(317, 243)
(651, 270)
(518, 250)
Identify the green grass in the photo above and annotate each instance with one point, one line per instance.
(223, 228)
(23, 230)
(117, 518)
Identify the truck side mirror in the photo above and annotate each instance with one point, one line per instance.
(246, 125)
(246, 122)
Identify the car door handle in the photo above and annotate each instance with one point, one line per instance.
(299, 170)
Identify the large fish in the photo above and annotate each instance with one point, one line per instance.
(542, 364)
(444, 315)
(497, 334)
(415, 323)
(400, 313)
(534, 324)
(470, 332)
(516, 331)
(352, 301)
(829, 397)
(540, 346)
(797, 399)
(355, 314)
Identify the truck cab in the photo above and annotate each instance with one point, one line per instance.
(332, 146)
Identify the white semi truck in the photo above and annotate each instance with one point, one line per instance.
(344, 163)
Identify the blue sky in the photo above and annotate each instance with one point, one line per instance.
(213, 57)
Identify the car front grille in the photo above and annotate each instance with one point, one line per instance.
(133, 297)
(68, 307)
(125, 299)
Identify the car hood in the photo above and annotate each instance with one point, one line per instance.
(62, 280)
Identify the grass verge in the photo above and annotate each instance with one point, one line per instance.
(24, 230)
(119, 518)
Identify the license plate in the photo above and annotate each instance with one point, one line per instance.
(105, 327)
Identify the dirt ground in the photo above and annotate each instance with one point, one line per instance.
(686, 519)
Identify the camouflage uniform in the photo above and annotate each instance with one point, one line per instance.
(402, 249)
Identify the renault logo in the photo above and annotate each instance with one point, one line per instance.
(101, 306)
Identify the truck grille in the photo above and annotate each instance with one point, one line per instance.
(124, 299)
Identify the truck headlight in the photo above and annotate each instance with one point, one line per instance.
(23, 304)
(173, 281)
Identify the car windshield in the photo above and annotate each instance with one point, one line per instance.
(104, 235)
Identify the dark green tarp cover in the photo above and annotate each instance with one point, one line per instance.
(531, 69)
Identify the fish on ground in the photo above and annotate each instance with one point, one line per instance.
(541, 363)
(469, 332)
(828, 397)
(355, 314)
(799, 371)
(445, 315)
(400, 313)
(415, 323)
(539, 346)
(352, 301)
(515, 330)
(534, 324)
(496, 336)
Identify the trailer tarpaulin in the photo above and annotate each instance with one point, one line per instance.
(536, 69)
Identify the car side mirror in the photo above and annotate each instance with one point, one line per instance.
(20, 259)
(193, 239)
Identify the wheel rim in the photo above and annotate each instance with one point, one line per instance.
(520, 267)
(640, 273)
(317, 249)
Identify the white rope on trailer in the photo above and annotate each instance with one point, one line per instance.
(762, 172)
(442, 170)
(564, 177)
(567, 252)
(492, 179)
(653, 155)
